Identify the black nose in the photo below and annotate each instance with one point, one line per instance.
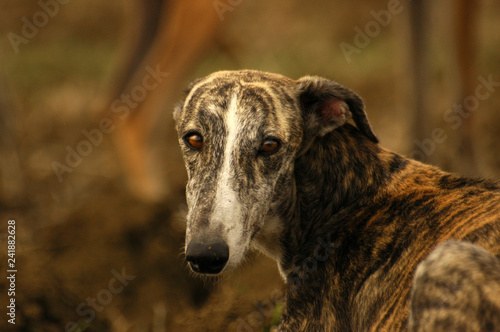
(207, 258)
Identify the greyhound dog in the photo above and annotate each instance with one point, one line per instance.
(274, 164)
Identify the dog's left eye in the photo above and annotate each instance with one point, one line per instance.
(269, 146)
(194, 140)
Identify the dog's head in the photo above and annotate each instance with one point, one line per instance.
(240, 132)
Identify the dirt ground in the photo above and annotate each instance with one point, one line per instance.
(88, 252)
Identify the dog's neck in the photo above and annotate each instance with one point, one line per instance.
(338, 170)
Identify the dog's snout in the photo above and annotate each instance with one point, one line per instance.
(207, 258)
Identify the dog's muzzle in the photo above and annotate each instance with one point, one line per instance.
(207, 258)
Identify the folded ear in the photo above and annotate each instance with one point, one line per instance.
(327, 105)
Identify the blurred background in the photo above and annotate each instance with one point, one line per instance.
(89, 162)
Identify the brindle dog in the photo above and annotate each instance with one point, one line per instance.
(273, 164)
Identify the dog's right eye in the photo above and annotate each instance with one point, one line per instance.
(194, 140)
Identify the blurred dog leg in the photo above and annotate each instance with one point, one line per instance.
(185, 30)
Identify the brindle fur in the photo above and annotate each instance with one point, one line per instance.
(456, 289)
(347, 220)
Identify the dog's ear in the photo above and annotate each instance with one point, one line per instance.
(327, 105)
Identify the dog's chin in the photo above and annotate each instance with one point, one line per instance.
(233, 263)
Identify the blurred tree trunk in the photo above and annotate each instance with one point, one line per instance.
(462, 55)
(465, 52)
(419, 50)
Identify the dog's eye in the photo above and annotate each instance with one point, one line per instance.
(269, 146)
(194, 140)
